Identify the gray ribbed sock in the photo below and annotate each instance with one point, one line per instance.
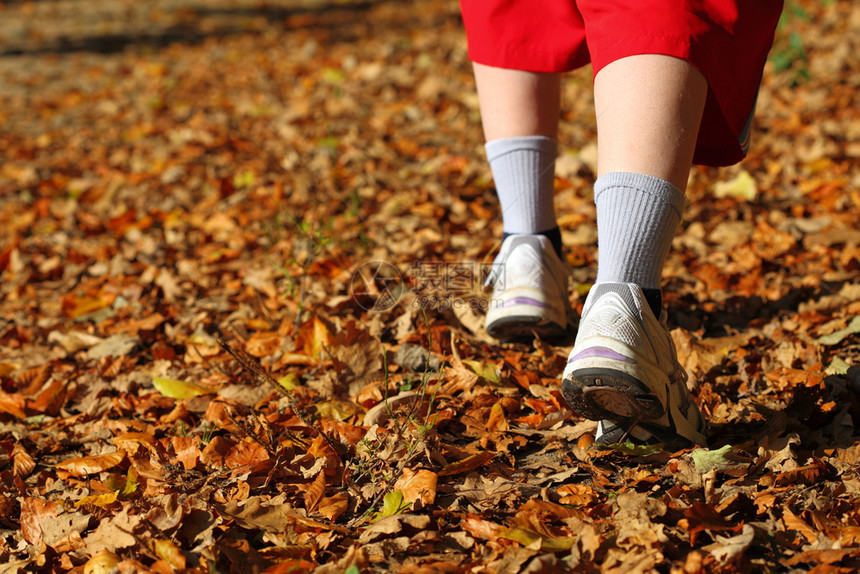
(524, 173)
(637, 216)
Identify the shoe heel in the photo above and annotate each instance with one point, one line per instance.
(598, 394)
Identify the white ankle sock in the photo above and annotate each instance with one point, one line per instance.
(637, 216)
(524, 174)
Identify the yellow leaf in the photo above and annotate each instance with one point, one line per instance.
(741, 187)
(290, 381)
(98, 499)
(534, 540)
(392, 503)
(488, 371)
(130, 482)
(177, 389)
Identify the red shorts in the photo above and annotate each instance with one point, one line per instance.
(727, 40)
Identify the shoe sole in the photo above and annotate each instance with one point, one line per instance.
(521, 313)
(600, 393)
(524, 327)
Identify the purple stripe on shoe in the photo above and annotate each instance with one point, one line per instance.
(600, 352)
(523, 301)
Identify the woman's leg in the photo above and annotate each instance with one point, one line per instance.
(519, 112)
(623, 369)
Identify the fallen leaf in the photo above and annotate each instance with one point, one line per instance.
(701, 517)
(98, 499)
(726, 549)
(102, 562)
(314, 492)
(13, 404)
(837, 337)
(177, 389)
(168, 551)
(91, 464)
(535, 541)
(471, 462)
(418, 485)
(392, 503)
(743, 186)
(332, 507)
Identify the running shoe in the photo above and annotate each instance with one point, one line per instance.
(529, 291)
(623, 371)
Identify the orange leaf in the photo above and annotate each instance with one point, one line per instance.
(102, 562)
(75, 307)
(703, 517)
(496, 421)
(170, 553)
(34, 513)
(469, 463)
(91, 464)
(417, 485)
(828, 556)
(333, 506)
(480, 528)
(315, 492)
(794, 522)
(264, 343)
(145, 438)
(50, 399)
(576, 494)
(12, 404)
(246, 455)
(313, 337)
(187, 450)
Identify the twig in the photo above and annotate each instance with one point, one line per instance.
(249, 363)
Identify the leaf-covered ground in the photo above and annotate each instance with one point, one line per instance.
(194, 372)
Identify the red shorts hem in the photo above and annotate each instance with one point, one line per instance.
(727, 40)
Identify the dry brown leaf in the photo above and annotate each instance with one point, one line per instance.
(794, 522)
(49, 399)
(701, 517)
(168, 551)
(13, 404)
(481, 528)
(22, 463)
(102, 562)
(576, 494)
(471, 462)
(91, 464)
(332, 507)
(34, 513)
(314, 492)
(186, 450)
(497, 422)
(417, 485)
